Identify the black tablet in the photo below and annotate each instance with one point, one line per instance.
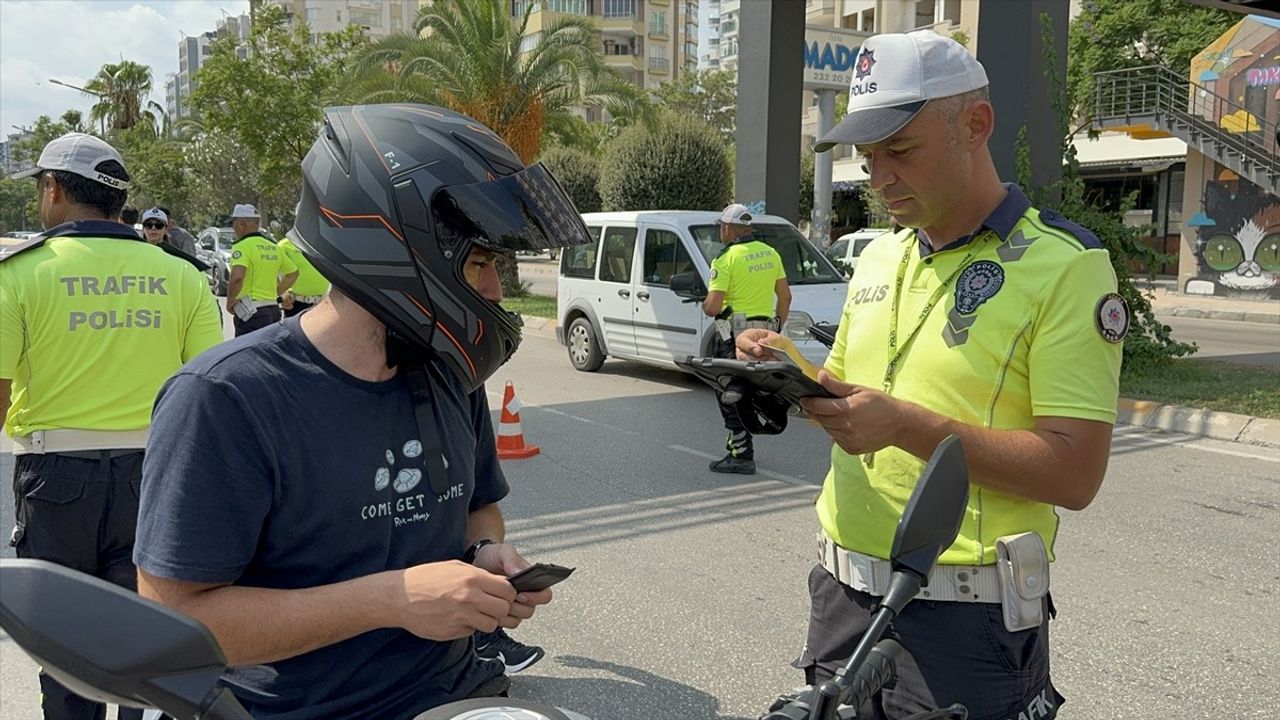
(770, 377)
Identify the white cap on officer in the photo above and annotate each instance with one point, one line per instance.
(155, 213)
(736, 214)
(245, 210)
(80, 154)
(894, 75)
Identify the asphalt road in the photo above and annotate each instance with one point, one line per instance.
(689, 599)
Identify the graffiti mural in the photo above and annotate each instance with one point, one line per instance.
(1238, 239)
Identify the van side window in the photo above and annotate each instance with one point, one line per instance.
(580, 260)
(664, 256)
(616, 252)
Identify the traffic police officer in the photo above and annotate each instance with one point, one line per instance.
(92, 321)
(260, 273)
(310, 286)
(748, 289)
(982, 318)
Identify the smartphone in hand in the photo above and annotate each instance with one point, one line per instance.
(539, 577)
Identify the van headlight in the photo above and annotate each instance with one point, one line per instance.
(797, 327)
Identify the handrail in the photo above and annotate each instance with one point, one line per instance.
(1154, 91)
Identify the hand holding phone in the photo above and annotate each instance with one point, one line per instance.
(539, 576)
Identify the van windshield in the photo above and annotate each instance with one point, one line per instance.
(803, 263)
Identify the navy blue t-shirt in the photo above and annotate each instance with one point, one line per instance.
(268, 466)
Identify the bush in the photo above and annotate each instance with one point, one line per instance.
(679, 165)
(579, 173)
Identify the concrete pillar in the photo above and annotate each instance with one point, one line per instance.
(820, 223)
(770, 68)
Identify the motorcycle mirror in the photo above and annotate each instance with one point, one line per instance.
(106, 643)
(688, 285)
(933, 515)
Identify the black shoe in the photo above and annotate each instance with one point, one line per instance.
(515, 656)
(731, 464)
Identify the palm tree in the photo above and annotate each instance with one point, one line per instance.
(470, 59)
(122, 89)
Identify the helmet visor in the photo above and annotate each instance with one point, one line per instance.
(526, 211)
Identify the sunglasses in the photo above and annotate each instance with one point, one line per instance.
(153, 225)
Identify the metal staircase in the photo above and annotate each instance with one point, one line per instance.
(1159, 99)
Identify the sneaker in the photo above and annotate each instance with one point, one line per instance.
(731, 464)
(515, 655)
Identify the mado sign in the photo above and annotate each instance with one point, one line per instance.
(828, 56)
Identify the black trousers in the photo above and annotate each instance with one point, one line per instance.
(957, 652)
(297, 308)
(264, 317)
(79, 510)
(738, 442)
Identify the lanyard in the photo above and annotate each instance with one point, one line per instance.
(896, 352)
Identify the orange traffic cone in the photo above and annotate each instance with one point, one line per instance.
(510, 436)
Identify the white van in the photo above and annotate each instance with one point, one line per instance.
(615, 299)
(845, 250)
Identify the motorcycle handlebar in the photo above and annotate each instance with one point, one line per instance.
(878, 669)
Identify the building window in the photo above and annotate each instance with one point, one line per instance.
(658, 23)
(566, 7)
(313, 14)
(529, 42)
(951, 11)
(619, 8)
(367, 18)
(867, 20)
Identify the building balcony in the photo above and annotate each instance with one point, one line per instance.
(659, 66)
(659, 3)
(659, 33)
(625, 25)
(625, 62)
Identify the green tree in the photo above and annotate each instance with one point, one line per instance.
(1150, 341)
(121, 90)
(579, 174)
(680, 164)
(709, 95)
(469, 56)
(1118, 34)
(74, 120)
(271, 102)
(18, 205)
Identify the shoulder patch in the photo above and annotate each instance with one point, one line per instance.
(1112, 317)
(236, 254)
(10, 251)
(713, 274)
(1082, 234)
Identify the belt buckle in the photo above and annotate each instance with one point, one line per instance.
(862, 573)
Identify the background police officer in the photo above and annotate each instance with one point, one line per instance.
(982, 318)
(92, 321)
(260, 273)
(749, 284)
(310, 286)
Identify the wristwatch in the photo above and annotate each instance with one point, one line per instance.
(469, 556)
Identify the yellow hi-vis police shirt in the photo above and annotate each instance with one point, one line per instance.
(92, 323)
(263, 264)
(1026, 324)
(747, 273)
(310, 282)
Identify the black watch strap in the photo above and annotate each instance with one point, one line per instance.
(470, 555)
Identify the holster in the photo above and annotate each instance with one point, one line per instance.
(1022, 566)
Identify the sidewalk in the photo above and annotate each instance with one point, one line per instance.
(1167, 302)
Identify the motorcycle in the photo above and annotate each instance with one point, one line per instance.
(111, 645)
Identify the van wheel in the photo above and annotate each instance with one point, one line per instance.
(584, 349)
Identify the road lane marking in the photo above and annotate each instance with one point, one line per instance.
(1137, 434)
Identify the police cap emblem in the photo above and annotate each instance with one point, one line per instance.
(1112, 317)
(977, 284)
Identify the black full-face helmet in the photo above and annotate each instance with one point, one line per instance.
(395, 197)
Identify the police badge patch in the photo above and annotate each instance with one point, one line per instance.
(977, 284)
(235, 254)
(713, 274)
(1112, 317)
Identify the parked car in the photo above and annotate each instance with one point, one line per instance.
(615, 299)
(845, 250)
(213, 246)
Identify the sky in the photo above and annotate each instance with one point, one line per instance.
(70, 40)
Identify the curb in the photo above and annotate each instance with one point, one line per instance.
(1245, 429)
(1263, 432)
(1233, 315)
